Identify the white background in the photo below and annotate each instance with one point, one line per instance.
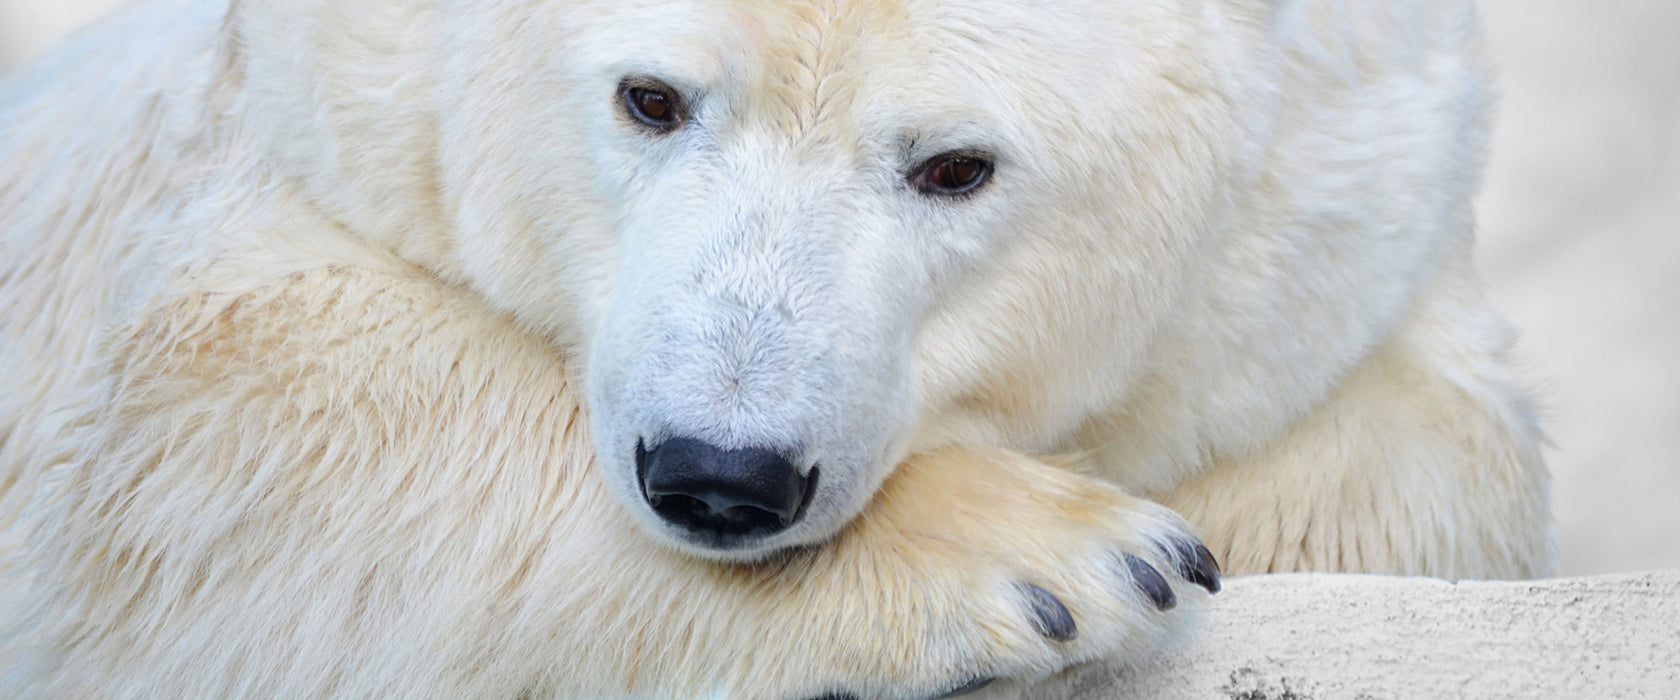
(1580, 242)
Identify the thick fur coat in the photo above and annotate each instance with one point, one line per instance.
(332, 332)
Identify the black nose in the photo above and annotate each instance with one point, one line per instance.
(710, 490)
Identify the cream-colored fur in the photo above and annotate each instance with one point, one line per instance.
(328, 326)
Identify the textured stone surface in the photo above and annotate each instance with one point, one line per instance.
(1325, 637)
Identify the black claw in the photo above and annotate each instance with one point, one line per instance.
(1197, 565)
(1050, 617)
(1151, 583)
(967, 688)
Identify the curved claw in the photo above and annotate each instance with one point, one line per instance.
(1197, 565)
(1151, 582)
(1050, 617)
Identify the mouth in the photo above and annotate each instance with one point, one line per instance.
(723, 499)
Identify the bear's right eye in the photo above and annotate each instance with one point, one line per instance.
(656, 105)
(954, 174)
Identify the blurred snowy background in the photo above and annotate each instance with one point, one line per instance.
(1580, 243)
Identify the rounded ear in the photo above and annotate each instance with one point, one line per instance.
(344, 104)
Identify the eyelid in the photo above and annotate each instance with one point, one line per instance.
(919, 165)
(646, 82)
(688, 92)
(969, 136)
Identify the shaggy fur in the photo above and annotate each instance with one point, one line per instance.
(330, 327)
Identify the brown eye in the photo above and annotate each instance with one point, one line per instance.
(952, 174)
(656, 106)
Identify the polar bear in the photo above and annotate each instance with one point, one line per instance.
(730, 348)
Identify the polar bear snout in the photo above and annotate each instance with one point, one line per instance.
(723, 496)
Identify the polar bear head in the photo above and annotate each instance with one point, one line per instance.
(788, 242)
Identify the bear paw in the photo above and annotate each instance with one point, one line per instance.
(970, 567)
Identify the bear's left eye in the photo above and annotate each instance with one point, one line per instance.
(654, 104)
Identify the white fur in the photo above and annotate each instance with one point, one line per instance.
(331, 328)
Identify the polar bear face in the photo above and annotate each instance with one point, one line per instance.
(789, 242)
(792, 241)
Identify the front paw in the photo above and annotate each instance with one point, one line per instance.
(976, 566)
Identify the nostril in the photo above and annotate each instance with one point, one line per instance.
(698, 513)
(707, 489)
